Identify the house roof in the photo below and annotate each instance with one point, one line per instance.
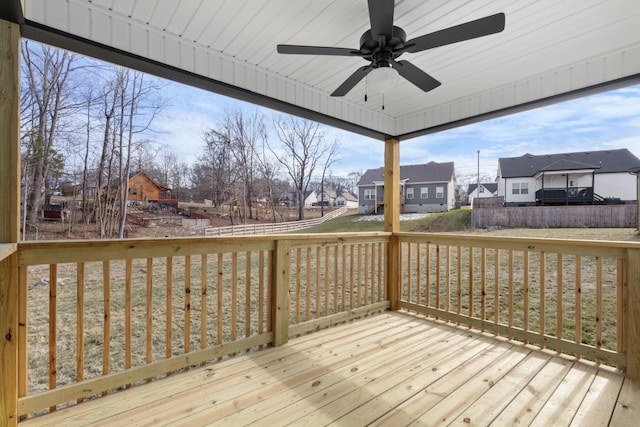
(549, 51)
(348, 196)
(428, 172)
(116, 181)
(491, 186)
(604, 161)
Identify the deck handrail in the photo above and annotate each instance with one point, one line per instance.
(94, 315)
(75, 296)
(513, 287)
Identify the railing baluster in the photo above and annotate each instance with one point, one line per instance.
(510, 296)
(203, 301)
(578, 302)
(447, 266)
(525, 286)
(483, 284)
(149, 313)
(53, 328)
(344, 278)
(127, 314)
(335, 279)
(542, 295)
(234, 296)
(365, 270)
(620, 298)
(470, 282)
(106, 340)
(409, 270)
(438, 284)
(496, 286)
(80, 323)
(247, 296)
(559, 280)
(418, 273)
(317, 284)
(169, 309)
(351, 275)
(458, 281)
(427, 271)
(261, 273)
(307, 287)
(220, 294)
(187, 303)
(598, 302)
(298, 279)
(326, 281)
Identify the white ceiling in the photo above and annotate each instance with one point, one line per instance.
(549, 50)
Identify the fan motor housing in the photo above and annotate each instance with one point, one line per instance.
(369, 44)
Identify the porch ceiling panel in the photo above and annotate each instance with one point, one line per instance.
(550, 50)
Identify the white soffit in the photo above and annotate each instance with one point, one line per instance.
(549, 49)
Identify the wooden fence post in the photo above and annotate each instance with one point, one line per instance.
(632, 314)
(280, 306)
(9, 219)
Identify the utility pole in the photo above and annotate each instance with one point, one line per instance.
(478, 183)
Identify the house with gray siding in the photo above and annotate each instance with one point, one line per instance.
(424, 188)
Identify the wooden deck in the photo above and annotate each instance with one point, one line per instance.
(390, 369)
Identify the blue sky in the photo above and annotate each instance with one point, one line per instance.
(605, 121)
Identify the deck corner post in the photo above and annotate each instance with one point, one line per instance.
(9, 218)
(280, 292)
(392, 216)
(632, 315)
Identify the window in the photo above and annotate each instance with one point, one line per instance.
(409, 193)
(481, 189)
(424, 192)
(369, 195)
(520, 188)
(439, 192)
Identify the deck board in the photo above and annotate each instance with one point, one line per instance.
(388, 369)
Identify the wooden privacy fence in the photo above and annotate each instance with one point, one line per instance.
(572, 296)
(591, 216)
(272, 228)
(97, 316)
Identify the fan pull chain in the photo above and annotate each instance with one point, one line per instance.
(383, 101)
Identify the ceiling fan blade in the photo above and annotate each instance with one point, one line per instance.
(470, 30)
(381, 17)
(415, 75)
(317, 50)
(352, 80)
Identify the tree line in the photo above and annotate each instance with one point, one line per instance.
(87, 126)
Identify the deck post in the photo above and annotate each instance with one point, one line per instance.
(9, 218)
(392, 216)
(280, 292)
(632, 317)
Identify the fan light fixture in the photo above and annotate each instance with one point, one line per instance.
(382, 79)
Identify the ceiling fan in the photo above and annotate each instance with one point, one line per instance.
(385, 42)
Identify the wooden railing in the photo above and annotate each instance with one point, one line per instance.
(97, 316)
(568, 295)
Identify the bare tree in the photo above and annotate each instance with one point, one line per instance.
(302, 148)
(330, 158)
(47, 79)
